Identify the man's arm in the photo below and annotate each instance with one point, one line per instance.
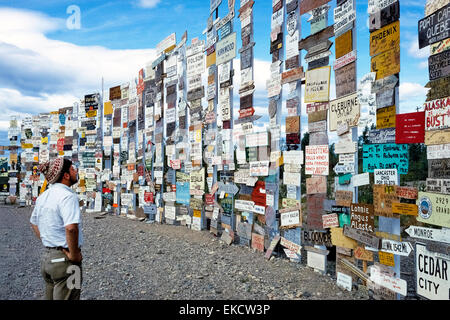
(36, 230)
(74, 253)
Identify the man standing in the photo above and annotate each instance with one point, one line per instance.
(56, 220)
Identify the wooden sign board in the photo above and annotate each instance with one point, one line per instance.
(293, 124)
(272, 246)
(317, 116)
(434, 137)
(317, 237)
(439, 169)
(439, 65)
(311, 40)
(344, 44)
(385, 38)
(345, 80)
(291, 219)
(362, 236)
(257, 242)
(330, 220)
(404, 209)
(316, 184)
(318, 63)
(383, 198)
(430, 30)
(362, 217)
(410, 128)
(344, 198)
(345, 109)
(319, 126)
(338, 239)
(362, 254)
(292, 75)
(386, 117)
(386, 63)
(115, 93)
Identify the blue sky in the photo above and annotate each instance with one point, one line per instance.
(45, 66)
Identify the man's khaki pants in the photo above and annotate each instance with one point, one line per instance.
(60, 276)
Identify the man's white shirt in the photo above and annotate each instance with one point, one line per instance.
(56, 208)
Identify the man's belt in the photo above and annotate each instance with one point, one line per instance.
(55, 248)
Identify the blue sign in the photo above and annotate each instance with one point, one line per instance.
(386, 156)
(183, 194)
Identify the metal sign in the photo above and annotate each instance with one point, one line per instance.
(343, 16)
(434, 209)
(226, 49)
(345, 109)
(308, 5)
(346, 80)
(438, 186)
(439, 65)
(317, 160)
(362, 236)
(385, 38)
(384, 16)
(440, 235)
(410, 128)
(382, 136)
(432, 28)
(344, 44)
(317, 87)
(431, 274)
(316, 38)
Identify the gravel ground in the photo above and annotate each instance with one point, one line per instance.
(130, 260)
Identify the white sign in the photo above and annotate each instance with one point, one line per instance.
(292, 44)
(277, 19)
(439, 151)
(316, 260)
(224, 72)
(396, 247)
(292, 179)
(377, 5)
(166, 43)
(361, 179)
(170, 212)
(259, 168)
(293, 157)
(226, 49)
(344, 281)
(441, 235)
(345, 146)
(432, 274)
(395, 284)
(195, 64)
(317, 160)
(347, 158)
(317, 85)
(386, 176)
(224, 103)
(257, 139)
(344, 60)
(343, 15)
(290, 218)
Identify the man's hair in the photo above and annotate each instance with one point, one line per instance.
(66, 169)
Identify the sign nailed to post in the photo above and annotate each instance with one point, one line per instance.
(434, 28)
(345, 109)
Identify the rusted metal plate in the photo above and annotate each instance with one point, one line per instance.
(385, 38)
(386, 63)
(345, 80)
(115, 93)
(292, 75)
(344, 44)
(316, 38)
(293, 124)
(291, 63)
(308, 5)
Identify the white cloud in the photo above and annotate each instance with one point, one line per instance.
(39, 73)
(414, 51)
(148, 3)
(409, 90)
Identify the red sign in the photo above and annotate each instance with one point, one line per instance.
(140, 86)
(259, 193)
(60, 144)
(148, 197)
(410, 128)
(209, 199)
(244, 113)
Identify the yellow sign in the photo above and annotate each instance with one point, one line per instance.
(386, 63)
(339, 240)
(385, 38)
(386, 117)
(386, 258)
(437, 137)
(317, 85)
(289, 203)
(44, 140)
(211, 59)
(107, 108)
(197, 213)
(404, 208)
(344, 44)
(27, 145)
(91, 113)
